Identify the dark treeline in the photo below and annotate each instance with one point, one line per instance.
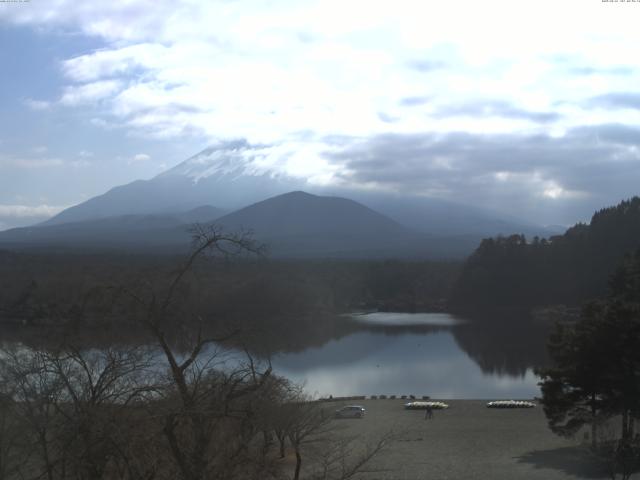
(565, 269)
(258, 295)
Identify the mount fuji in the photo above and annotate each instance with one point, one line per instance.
(227, 177)
(238, 187)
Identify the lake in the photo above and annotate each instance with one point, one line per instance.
(436, 354)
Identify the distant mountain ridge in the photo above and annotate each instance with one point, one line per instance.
(299, 224)
(292, 225)
(233, 175)
(301, 213)
(121, 231)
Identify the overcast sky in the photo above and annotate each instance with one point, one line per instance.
(529, 108)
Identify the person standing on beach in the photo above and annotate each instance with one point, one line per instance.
(428, 413)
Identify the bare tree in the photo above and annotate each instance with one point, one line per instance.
(310, 428)
(70, 405)
(11, 453)
(34, 394)
(204, 395)
(344, 458)
(308, 422)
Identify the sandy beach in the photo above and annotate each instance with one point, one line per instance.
(469, 441)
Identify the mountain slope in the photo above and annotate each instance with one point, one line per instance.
(202, 214)
(122, 231)
(298, 213)
(225, 176)
(300, 224)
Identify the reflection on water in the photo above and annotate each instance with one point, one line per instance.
(506, 346)
(392, 319)
(466, 360)
(392, 354)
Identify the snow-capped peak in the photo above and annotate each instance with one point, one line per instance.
(229, 160)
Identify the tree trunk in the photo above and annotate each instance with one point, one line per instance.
(267, 440)
(45, 451)
(594, 422)
(281, 441)
(296, 475)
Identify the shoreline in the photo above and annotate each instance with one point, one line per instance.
(469, 441)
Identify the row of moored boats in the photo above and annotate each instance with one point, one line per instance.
(494, 404)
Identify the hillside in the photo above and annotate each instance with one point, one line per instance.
(570, 268)
(298, 224)
(129, 232)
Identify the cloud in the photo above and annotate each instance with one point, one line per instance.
(132, 21)
(386, 118)
(140, 157)
(89, 93)
(37, 105)
(425, 66)
(413, 101)
(31, 163)
(12, 216)
(82, 163)
(613, 70)
(495, 108)
(515, 173)
(102, 123)
(610, 134)
(364, 92)
(114, 63)
(244, 69)
(25, 211)
(286, 161)
(41, 163)
(617, 100)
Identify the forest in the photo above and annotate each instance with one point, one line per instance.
(517, 272)
(48, 293)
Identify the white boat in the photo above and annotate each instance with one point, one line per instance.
(425, 405)
(510, 404)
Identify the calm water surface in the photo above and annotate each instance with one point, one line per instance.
(416, 354)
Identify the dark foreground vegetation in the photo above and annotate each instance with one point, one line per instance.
(177, 408)
(595, 377)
